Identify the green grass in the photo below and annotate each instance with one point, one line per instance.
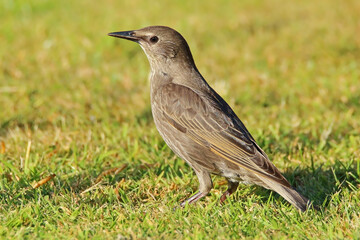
(290, 70)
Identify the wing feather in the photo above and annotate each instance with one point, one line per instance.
(209, 124)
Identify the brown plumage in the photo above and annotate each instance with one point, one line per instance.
(198, 125)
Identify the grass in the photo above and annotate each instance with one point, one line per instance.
(75, 103)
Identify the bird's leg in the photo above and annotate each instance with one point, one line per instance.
(193, 198)
(232, 186)
(204, 187)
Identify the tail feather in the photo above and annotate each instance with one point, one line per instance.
(293, 197)
(290, 194)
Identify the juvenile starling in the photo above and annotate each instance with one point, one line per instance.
(198, 125)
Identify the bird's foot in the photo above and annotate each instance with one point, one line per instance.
(232, 186)
(224, 196)
(193, 199)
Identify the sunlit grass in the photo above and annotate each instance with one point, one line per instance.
(289, 70)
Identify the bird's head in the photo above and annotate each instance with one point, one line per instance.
(161, 45)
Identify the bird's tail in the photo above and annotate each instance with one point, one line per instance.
(290, 195)
(293, 197)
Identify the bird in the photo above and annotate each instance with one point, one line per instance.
(198, 125)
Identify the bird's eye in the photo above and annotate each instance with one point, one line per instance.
(154, 39)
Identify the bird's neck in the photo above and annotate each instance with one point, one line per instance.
(178, 72)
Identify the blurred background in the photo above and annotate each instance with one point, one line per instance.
(58, 66)
(290, 70)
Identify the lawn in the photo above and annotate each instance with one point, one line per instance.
(80, 156)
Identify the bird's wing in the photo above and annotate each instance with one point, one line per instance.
(211, 126)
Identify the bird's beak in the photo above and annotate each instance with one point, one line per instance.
(129, 35)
